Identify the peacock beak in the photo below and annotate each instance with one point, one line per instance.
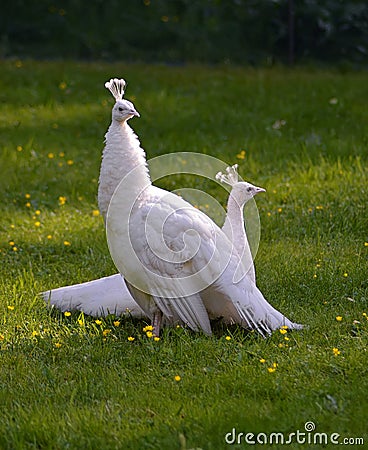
(259, 189)
(134, 112)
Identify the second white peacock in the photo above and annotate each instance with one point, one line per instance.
(177, 263)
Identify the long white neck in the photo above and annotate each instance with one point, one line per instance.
(122, 154)
(234, 223)
(234, 229)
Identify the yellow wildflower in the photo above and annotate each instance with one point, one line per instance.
(116, 323)
(50, 155)
(98, 322)
(67, 314)
(19, 148)
(283, 331)
(35, 333)
(339, 318)
(11, 307)
(15, 249)
(262, 360)
(336, 351)
(28, 196)
(67, 243)
(57, 344)
(177, 378)
(345, 274)
(62, 200)
(271, 369)
(131, 338)
(228, 338)
(241, 155)
(106, 332)
(62, 84)
(37, 224)
(147, 328)
(11, 243)
(149, 334)
(95, 213)
(70, 162)
(365, 244)
(156, 338)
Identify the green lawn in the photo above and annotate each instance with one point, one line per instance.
(67, 382)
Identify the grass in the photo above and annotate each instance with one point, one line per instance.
(65, 381)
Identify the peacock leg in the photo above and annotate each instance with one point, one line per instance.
(156, 322)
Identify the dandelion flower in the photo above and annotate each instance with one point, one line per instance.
(61, 154)
(28, 205)
(50, 155)
(262, 360)
(177, 378)
(67, 314)
(271, 369)
(283, 331)
(67, 243)
(116, 323)
(95, 213)
(98, 322)
(319, 207)
(345, 274)
(156, 338)
(19, 148)
(49, 236)
(365, 244)
(11, 307)
(35, 333)
(62, 200)
(279, 210)
(2, 337)
(228, 338)
(37, 212)
(15, 249)
(336, 351)
(131, 338)
(147, 328)
(57, 344)
(106, 332)
(70, 162)
(149, 334)
(37, 224)
(339, 318)
(28, 196)
(241, 155)
(11, 243)
(62, 84)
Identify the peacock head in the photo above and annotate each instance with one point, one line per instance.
(123, 109)
(241, 191)
(244, 191)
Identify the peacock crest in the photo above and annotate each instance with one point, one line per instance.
(117, 87)
(231, 177)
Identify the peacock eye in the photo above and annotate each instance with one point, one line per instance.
(120, 109)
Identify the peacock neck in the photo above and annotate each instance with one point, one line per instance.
(234, 224)
(122, 155)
